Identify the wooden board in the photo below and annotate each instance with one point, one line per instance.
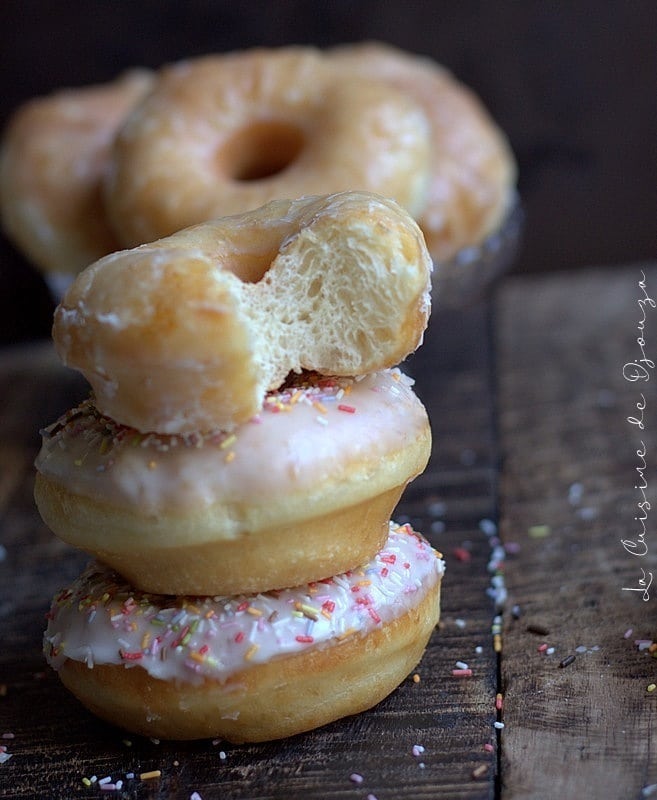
(529, 408)
(57, 743)
(568, 498)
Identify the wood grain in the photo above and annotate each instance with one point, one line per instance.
(57, 742)
(569, 472)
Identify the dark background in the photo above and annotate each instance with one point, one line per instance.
(573, 84)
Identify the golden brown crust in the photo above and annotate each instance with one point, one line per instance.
(53, 159)
(473, 171)
(224, 134)
(189, 332)
(273, 700)
(257, 561)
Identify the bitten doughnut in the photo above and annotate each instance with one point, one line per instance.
(224, 134)
(247, 668)
(472, 171)
(303, 490)
(187, 334)
(53, 157)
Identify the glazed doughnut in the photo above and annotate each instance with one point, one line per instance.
(187, 334)
(53, 156)
(247, 668)
(224, 134)
(302, 491)
(473, 172)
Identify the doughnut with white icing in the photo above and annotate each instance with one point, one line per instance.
(247, 668)
(188, 333)
(303, 490)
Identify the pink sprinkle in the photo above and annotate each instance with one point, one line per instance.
(462, 673)
(356, 778)
(8, 735)
(542, 647)
(374, 615)
(461, 554)
(304, 639)
(417, 750)
(348, 409)
(108, 787)
(628, 633)
(136, 656)
(488, 747)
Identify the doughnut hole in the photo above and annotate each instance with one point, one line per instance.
(260, 150)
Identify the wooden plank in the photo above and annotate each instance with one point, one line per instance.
(57, 742)
(568, 498)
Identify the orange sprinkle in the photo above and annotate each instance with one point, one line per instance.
(146, 776)
(198, 657)
(346, 634)
(145, 640)
(152, 464)
(499, 701)
(230, 457)
(251, 652)
(255, 612)
(416, 678)
(295, 397)
(497, 643)
(319, 406)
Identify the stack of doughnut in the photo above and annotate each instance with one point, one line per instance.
(86, 171)
(235, 469)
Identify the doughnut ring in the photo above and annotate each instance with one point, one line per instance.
(247, 668)
(472, 171)
(224, 134)
(302, 491)
(53, 157)
(188, 333)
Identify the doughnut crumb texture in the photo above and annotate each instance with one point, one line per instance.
(206, 321)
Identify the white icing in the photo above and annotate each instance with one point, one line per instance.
(101, 620)
(293, 445)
